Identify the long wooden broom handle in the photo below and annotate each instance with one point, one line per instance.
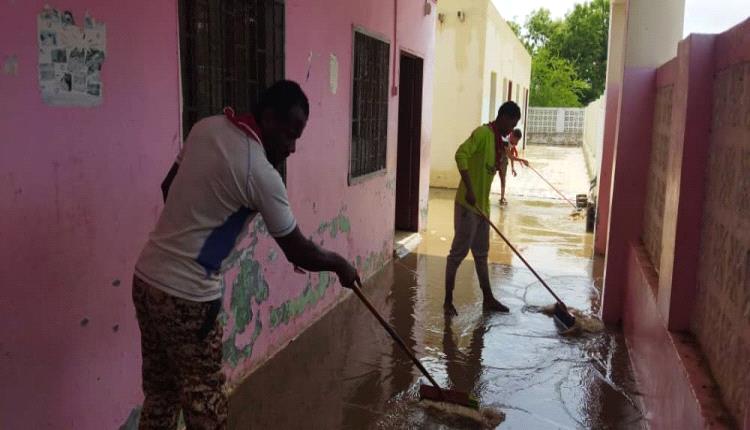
(553, 187)
(394, 335)
(520, 256)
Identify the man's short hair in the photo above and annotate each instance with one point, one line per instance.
(509, 109)
(517, 132)
(281, 97)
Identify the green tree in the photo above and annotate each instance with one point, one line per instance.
(554, 82)
(540, 29)
(582, 40)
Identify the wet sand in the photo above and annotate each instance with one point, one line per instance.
(345, 372)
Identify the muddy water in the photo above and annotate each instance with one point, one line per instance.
(564, 167)
(345, 372)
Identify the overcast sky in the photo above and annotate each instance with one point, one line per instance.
(701, 16)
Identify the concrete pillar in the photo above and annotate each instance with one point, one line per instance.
(618, 19)
(560, 121)
(615, 63)
(652, 33)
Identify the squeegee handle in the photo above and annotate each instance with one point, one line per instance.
(553, 187)
(507, 242)
(394, 335)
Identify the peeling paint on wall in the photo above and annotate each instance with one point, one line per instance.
(374, 261)
(249, 286)
(338, 224)
(333, 73)
(10, 65)
(70, 59)
(297, 306)
(250, 289)
(309, 66)
(312, 294)
(390, 184)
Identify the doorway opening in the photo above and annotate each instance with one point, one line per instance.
(409, 142)
(409, 148)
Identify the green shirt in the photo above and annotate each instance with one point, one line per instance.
(477, 155)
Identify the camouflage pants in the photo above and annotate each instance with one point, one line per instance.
(181, 368)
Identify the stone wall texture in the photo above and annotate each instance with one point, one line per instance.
(722, 312)
(653, 214)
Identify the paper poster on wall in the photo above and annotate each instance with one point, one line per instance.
(70, 59)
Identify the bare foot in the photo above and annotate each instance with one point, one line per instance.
(492, 305)
(449, 309)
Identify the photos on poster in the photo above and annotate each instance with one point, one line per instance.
(70, 58)
(59, 56)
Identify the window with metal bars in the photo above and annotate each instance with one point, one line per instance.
(369, 106)
(230, 50)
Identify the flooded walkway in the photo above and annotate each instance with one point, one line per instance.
(345, 372)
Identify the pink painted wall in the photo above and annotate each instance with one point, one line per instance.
(672, 376)
(322, 193)
(629, 172)
(80, 192)
(698, 288)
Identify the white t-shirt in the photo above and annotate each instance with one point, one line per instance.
(224, 180)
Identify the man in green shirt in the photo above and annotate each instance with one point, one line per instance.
(477, 160)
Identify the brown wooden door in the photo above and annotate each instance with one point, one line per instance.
(525, 115)
(409, 142)
(510, 91)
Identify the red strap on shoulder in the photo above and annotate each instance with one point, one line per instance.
(246, 123)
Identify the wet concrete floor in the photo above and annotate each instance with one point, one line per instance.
(345, 372)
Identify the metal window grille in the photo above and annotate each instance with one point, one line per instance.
(369, 106)
(230, 51)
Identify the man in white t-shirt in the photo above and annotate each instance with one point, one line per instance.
(224, 176)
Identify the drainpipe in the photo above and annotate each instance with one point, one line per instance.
(394, 87)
